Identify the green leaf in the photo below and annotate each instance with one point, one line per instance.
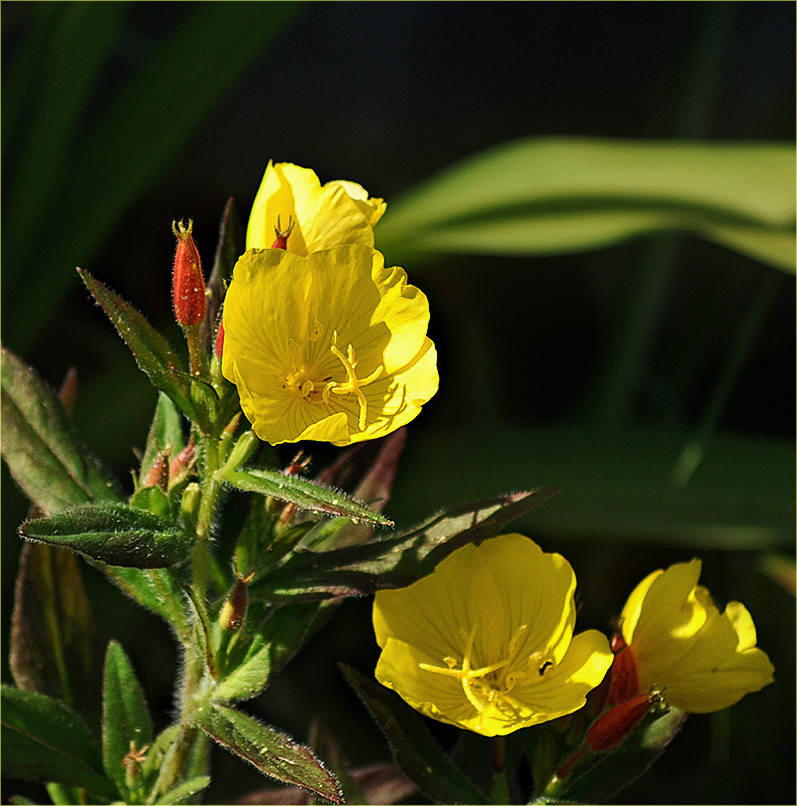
(270, 751)
(393, 561)
(564, 194)
(40, 446)
(152, 499)
(412, 746)
(183, 792)
(157, 589)
(54, 648)
(610, 772)
(154, 355)
(165, 434)
(304, 494)
(44, 741)
(113, 533)
(125, 717)
(266, 643)
(617, 487)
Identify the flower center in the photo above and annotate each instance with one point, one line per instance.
(491, 685)
(307, 385)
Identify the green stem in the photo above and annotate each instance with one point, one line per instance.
(499, 791)
(196, 354)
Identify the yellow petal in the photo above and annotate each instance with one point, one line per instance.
(322, 216)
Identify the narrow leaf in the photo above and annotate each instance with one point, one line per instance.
(40, 446)
(44, 741)
(153, 354)
(394, 561)
(54, 647)
(305, 494)
(270, 751)
(113, 533)
(183, 792)
(126, 723)
(413, 748)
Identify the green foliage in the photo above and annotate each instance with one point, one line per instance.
(115, 534)
(269, 750)
(565, 194)
(40, 446)
(413, 748)
(44, 741)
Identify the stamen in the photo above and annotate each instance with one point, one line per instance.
(353, 384)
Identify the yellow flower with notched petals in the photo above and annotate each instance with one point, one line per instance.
(704, 660)
(330, 346)
(486, 641)
(321, 216)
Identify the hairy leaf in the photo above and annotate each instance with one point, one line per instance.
(115, 534)
(393, 561)
(304, 494)
(44, 741)
(40, 446)
(273, 753)
(125, 722)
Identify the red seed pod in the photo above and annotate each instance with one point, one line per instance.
(617, 724)
(188, 284)
(624, 676)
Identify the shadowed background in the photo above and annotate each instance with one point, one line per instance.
(120, 117)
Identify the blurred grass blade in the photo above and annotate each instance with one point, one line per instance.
(556, 195)
(132, 141)
(74, 58)
(616, 488)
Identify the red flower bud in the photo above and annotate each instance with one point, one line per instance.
(624, 678)
(233, 614)
(182, 464)
(610, 729)
(158, 475)
(188, 284)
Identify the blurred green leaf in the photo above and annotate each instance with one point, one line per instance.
(616, 487)
(113, 533)
(41, 447)
(273, 753)
(53, 645)
(130, 141)
(125, 717)
(44, 741)
(303, 493)
(393, 561)
(154, 355)
(564, 194)
(412, 746)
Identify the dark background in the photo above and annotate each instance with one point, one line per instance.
(386, 94)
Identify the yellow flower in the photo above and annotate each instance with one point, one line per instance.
(322, 216)
(486, 641)
(331, 346)
(704, 660)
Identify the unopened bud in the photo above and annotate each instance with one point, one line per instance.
(220, 340)
(281, 241)
(158, 475)
(188, 284)
(617, 724)
(624, 678)
(233, 614)
(181, 465)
